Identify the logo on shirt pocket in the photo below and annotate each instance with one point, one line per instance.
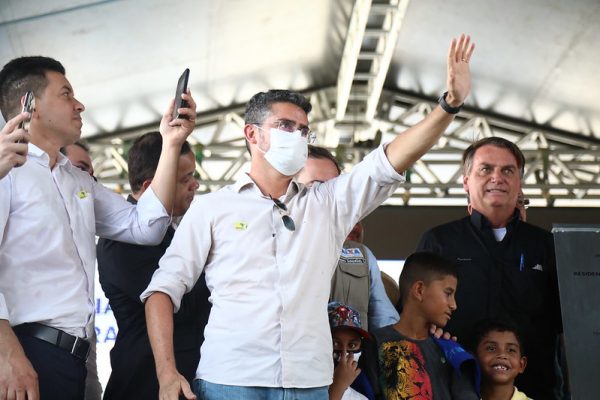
(85, 210)
(240, 226)
(82, 194)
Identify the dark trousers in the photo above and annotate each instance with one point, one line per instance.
(61, 375)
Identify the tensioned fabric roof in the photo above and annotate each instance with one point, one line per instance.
(534, 71)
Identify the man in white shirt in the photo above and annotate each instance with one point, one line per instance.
(50, 213)
(78, 154)
(268, 246)
(357, 268)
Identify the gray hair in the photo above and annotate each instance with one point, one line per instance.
(259, 106)
(496, 141)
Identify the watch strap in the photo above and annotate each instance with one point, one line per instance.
(447, 107)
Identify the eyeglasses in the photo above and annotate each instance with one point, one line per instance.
(290, 126)
(288, 222)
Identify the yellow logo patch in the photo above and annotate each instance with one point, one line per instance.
(240, 226)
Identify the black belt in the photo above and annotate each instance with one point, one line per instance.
(77, 346)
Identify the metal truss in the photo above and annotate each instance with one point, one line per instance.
(368, 50)
(563, 169)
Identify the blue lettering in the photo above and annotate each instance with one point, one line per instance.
(102, 306)
(111, 334)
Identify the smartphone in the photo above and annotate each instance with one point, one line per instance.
(182, 85)
(28, 105)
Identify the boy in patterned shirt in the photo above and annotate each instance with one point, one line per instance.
(412, 363)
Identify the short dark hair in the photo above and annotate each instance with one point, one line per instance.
(259, 106)
(80, 143)
(424, 266)
(321, 153)
(143, 158)
(484, 327)
(496, 141)
(21, 75)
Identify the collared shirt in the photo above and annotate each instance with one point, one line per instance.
(270, 286)
(124, 271)
(48, 222)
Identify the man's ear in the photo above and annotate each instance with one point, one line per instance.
(251, 133)
(146, 184)
(417, 290)
(465, 184)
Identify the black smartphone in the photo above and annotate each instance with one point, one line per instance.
(182, 85)
(28, 105)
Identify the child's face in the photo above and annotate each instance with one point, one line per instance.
(345, 341)
(499, 355)
(438, 300)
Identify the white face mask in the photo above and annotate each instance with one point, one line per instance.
(338, 355)
(288, 151)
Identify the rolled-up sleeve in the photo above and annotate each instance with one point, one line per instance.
(145, 223)
(183, 262)
(362, 190)
(3, 308)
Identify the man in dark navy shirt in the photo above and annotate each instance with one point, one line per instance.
(506, 266)
(125, 271)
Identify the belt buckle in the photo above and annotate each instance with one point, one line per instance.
(76, 344)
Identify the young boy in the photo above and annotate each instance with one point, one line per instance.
(349, 381)
(499, 350)
(413, 364)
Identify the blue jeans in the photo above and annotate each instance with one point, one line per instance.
(213, 391)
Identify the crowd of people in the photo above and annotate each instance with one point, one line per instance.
(263, 289)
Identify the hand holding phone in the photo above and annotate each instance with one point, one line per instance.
(28, 102)
(182, 85)
(13, 142)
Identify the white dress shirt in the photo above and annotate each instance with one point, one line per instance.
(48, 222)
(269, 286)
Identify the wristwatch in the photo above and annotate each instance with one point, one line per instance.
(447, 107)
